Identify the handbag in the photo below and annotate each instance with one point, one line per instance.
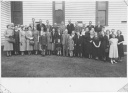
(11, 40)
(31, 42)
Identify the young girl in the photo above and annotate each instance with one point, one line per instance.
(71, 46)
(43, 43)
(8, 46)
(58, 47)
(113, 51)
(96, 46)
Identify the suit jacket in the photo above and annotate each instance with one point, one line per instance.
(39, 27)
(90, 27)
(106, 40)
(78, 41)
(70, 28)
(43, 40)
(98, 29)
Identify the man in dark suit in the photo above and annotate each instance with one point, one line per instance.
(98, 28)
(41, 25)
(70, 27)
(90, 26)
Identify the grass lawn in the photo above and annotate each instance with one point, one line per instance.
(54, 66)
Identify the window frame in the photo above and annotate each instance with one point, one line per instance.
(106, 10)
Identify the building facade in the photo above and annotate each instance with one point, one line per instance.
(113, 15)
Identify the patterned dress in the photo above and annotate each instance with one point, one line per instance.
(29, 36)
(22, 40)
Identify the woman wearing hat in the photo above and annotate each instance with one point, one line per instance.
(8, 45)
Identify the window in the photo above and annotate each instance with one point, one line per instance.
(102, 12)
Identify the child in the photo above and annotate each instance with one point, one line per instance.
(58, 47)
(43, 43)
(113, 51)
(71, 46)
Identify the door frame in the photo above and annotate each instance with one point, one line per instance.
(53, 9)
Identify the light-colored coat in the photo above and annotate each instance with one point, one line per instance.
(29, 36)
(22, 35)
(7, 45)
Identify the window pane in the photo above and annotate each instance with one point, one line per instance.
(102, 17)
(102, 5)
(58, 6)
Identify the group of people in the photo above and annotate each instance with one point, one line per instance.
(74, 41)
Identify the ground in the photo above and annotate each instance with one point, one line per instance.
(54, 66)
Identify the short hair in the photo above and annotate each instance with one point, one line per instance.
(119, 31)
(90, 21)
(7, 26)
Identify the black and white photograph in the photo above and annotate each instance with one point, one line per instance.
(64, 39)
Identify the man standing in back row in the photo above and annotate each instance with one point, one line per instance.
(70, 27)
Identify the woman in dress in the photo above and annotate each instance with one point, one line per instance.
(90, 44)
(29, 40)
(103, 45)
(120, 38)
(71, 45)
(49, 42)
(22, 40)
(96, 46)
(17, 42)
(113, 51)
(8, 46)
(36, 40)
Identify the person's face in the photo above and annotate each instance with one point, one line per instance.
(78, 33)
(66, 31)
(76, 23)
(47, 30)
(40, 21)
(73, 32)
(62, 23)
(42, 28)
(29, 28)
(53, 30)
(9, 26)
(118, 32)
(107, 32)
(113, 36)
(33, 20)
(90, 23)
(55, 24)
(87, 29)
(69, 21)
(47, 22)
(103, 29)
(98, 23)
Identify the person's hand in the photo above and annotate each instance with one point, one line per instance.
(118, 44)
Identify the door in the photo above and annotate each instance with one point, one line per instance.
(58, 12)
(16, 12)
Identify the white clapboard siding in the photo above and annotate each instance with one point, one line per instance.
(5, 18)
(80, 11)
(117, 12)
(38, 10)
